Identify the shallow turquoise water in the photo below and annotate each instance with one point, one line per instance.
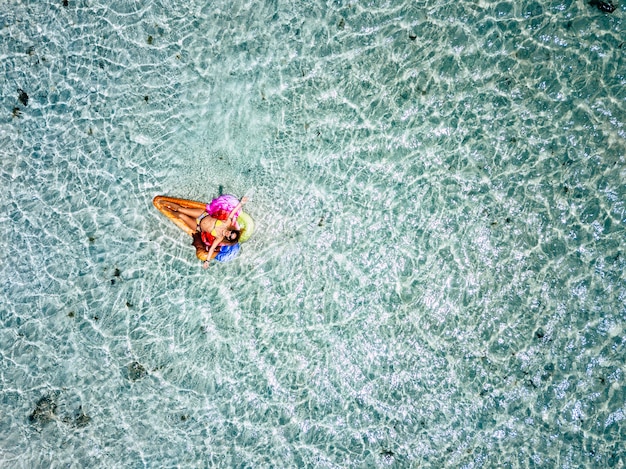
(437, 279)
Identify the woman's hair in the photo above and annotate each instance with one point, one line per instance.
(234, 239)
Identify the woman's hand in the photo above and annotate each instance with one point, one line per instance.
(205, 264)
(244, 199)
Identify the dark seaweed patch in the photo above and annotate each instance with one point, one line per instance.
(23, 97)
(135, 371)
(81, 419)
(45, 410)
(606, 7)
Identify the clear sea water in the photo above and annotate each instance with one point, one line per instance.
(437, 277)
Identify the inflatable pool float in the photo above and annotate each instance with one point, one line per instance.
(219, 208)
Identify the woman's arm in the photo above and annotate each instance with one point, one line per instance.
(214, 246)
(239, 205)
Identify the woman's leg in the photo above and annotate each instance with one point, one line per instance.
(192, 212)
(188, 215)
(191, 222)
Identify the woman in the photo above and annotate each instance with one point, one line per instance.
(214, 227)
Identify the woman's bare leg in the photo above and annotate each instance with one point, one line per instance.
(188, 215)
(191, 222)
(192, 212)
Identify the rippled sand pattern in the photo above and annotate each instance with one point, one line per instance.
(437, 278)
